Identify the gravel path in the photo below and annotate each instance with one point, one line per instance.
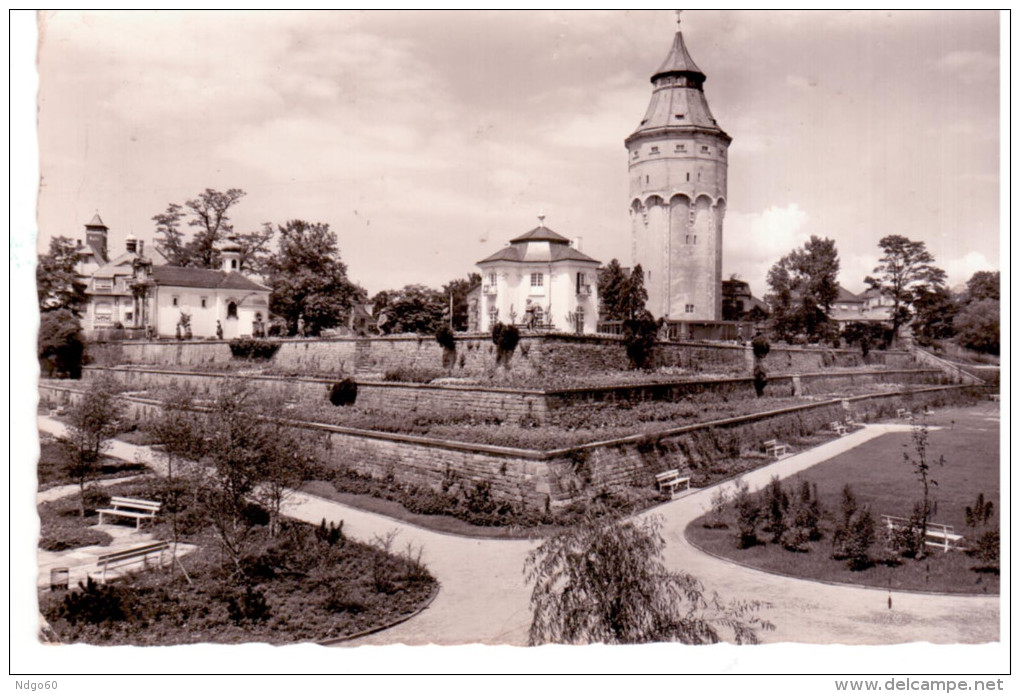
(483, 597)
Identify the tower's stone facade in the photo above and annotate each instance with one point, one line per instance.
(677, 161)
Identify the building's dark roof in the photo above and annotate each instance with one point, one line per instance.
(96, 222)
(541, 233)
(847, 296)
(518, 253)
(171, 276)
(678, 61)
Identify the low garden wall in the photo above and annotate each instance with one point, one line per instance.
(556, 478)
(509, 404)
(536, 355)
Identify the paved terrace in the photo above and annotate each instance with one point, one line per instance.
(484, 599)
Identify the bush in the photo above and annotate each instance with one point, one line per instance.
(776, 505)
(639, 338)
(95, 603)
(987, 551)
(505, 337)
(446, 339)
(855, 534)
(344, 392)
(412, 374)
(253, 349)
(247, 606)
(760, 379)
(61, 344)
(760, 346)
(748, 514)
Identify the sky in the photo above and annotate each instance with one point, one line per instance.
(426, 140)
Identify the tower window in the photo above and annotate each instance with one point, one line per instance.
(655, 150)
(537, 279)
(687, 239)
(232, 310)
(233, 263)
(689, 308)
(688, 175)
(679, 116)
(203, 302)
(647, 179)
(174, 300)
(704, 148)
(695, 239)
(636, 154)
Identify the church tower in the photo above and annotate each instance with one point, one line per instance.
(677, 163)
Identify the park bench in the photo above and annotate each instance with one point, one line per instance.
(135, 555)
(994, 397)
(839, 428)
(774, 448)
(139, 509)
(670, 480)
(938, 535)
(902, 413)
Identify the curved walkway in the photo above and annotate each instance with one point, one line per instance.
(484, 599)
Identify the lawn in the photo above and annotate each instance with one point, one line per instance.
(880, 477)
(53, 464)
(299, 586)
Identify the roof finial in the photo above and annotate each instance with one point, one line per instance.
(541, 218)
(678, 13)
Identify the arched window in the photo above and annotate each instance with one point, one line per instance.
(231, 310)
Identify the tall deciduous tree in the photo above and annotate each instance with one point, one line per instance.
(604, 581)
(977, 326)
(934, 310)
(56, 279)
(61, 344)
(905, 268)
(209, 215)
(459, 289)
(415, 309)
(91, 424)
(803, 288)
(309, 279)
(983, 285)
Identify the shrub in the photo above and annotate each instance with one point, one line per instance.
(980, 513)
(987, 550)
(247, 606)
(95, 603)
(748, 514)
(775, 507)
(639, 338)
(855, 534)
(332, 534)
(344, 392)
(253, 349)
(908, 540)
(446, 339)
(412, 374)
(505, 337)
(760, 379)
(760, 346)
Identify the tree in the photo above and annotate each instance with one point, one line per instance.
(459, 290)
(208, 213)
(91, 423)
(613, 291)
(635, 297)
(56, 278)
(803, 287)
(922, 466)
(61, 345)
(605, 581)
(934, 313)
(905, 268)
(309, 279)
(255, 252)
(983, 285)
(415, 309)
(977, 325)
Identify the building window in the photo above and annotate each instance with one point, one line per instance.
(538, 315)
(695, 239)
(492, 279)
(655, 150)
(581, 283)
(128, 316)
(174, 301)
(688, 175)
(104, 312)
(646, 179)
(231, 310)
(537, 279)
(704, 148)
(233, 263)
(635, 155)
(203, 302)
(104, 283)
(579, 320)
(679, 116)
(689, 308)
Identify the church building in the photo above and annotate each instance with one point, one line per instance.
(677, 162)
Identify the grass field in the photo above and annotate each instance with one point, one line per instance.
(880, 477)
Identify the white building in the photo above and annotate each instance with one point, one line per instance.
(541, 280)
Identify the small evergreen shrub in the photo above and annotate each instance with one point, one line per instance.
(253, 349)
(760, 346)
(760, 379)
(506, 338)
(344, 392)
(639, 338)
(95, 603)
(247, 606)
(748, 515)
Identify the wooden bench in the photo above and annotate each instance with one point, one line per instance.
(774, 448)
(994, 397)
(135, 555)
(904, 414)
(839, 428)
(938, 535)
(139, 509)
(670, 480)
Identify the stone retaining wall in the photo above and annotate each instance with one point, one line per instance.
(507, 404)
(536, 355)
(557, 478)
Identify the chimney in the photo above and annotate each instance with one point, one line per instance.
(131, 244)
(576, 242)
(141, 247)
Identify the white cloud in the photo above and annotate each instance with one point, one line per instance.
(962, 268)
(753, 242)
(969, 64)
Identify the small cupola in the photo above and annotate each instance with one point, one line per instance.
(131, 243)
(231, 255)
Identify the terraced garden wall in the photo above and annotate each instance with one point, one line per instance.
(514, 405)
(559, 477)
(536, 355)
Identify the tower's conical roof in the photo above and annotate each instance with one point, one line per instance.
(96, 222)
(678, 61)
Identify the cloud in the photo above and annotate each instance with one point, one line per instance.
(753, 242)
(962, 268)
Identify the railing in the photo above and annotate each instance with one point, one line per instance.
(954, 371)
